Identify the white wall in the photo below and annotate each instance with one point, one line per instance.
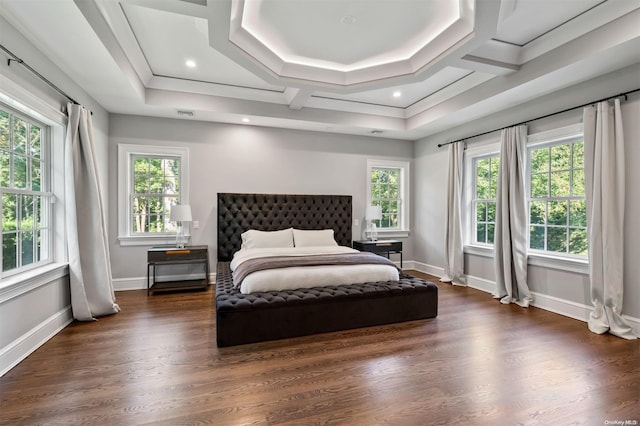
(35, 309)
(562, 291)
(235, 158)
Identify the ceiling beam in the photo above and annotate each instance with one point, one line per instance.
(298, 97)
(195, 8)
(97, 21)
(486, 65)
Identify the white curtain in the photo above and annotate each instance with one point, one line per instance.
(510, 238)
(605, 186)
(453, 244)
(89, 265)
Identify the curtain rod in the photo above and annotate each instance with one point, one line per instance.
(36, 73)
(540, 118)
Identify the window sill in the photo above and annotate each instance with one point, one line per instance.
(580, 266)
(479, 251)
(147, 240)
(395, 233)
(18, 284)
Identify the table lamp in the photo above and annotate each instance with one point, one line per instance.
(180, 213)
(373, 213)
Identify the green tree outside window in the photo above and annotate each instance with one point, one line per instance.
(156, 187)
(22, 165)
(385, 192)
(557, 205)
(484, 202)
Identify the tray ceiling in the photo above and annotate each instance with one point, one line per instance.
(407, 68)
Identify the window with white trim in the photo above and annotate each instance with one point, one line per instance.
(481, 164)
(557, 203)
(151, 180)
(388, 187)
(25, 192)
(556, 226)
(485, 174)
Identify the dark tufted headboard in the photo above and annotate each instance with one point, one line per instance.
(238, 213)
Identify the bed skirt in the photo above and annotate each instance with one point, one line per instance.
(248, 318)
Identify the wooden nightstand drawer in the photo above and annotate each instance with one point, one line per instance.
(161, 254)
(385, 247)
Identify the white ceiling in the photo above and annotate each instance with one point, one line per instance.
(329, 65)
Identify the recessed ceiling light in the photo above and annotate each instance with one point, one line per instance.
(190, 63)
(245, 120)
(397, 94)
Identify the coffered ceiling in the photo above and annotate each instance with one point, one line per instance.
(397, 68)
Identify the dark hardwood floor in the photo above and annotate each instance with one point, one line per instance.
(477, 363)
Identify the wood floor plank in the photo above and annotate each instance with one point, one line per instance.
(478, 363)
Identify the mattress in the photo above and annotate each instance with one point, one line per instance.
(317, 275)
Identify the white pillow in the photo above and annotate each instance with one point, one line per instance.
(267, 239)
(320, 238)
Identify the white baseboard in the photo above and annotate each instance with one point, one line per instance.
(559, 306)
(140, 283)
(24, 346)
(574, 310)
(481, 284)
(424, 268)
(564, 307)
(634, 323)
(124, 284)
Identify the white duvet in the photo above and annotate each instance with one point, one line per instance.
(307, 276)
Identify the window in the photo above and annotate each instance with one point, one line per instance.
(485, 173)
(152, 179)
(156, 187)
(481, 164)
(557, 204)
(557, 220)
(24, 186)
(388, 187)
(385, 192)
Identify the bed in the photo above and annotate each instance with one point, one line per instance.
(270, 315)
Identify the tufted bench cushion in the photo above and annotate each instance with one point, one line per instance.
(246, 318)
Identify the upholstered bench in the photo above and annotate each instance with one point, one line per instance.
(247, 318)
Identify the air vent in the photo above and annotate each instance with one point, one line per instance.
(186, 113)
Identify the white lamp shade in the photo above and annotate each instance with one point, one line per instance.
(374, 213)
(180, 213)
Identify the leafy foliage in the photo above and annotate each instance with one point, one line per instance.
(385, 192)
(156, 187)
(557, 207)
(557, 210)
(20, 171)
(486, 171)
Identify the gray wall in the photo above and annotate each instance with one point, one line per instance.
(431, 166)
(30, 317)
(236, 158)
(253, 159)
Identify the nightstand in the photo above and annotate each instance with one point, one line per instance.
(170, 255)
(385, 247)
